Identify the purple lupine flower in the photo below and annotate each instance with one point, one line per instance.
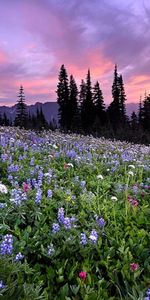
(2, 286)
(101, 222)
(32, 161)
(135, 189)
(61, 215)
(67, 223)
(19, 256)
(3, 205)
(55, 227)
(93, 236)
(73, 219)
(51, 250)
(49, 193)
(38, 196)
(6, 246)
(82, 183)
(83, 240)
(148, 292)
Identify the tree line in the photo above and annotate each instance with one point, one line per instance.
(84, 111)
(25, 119)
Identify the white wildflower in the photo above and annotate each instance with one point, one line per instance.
(131, 166)
(70, 165)
(100, 176)
(113, 198)
(55, 146)
(3, 189)
(131, 173)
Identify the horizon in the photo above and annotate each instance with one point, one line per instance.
(40, 36)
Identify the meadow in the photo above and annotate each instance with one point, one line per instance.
(74, 217)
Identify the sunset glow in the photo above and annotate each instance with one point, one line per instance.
(38, 36)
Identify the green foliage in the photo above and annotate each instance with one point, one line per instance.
(99, 182)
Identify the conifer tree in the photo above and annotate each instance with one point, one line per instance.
(41, 122)
(146, 113)
(63, 99)
(73, 105)
(82, 94)
(5, 120)
(99, 105)
(140, 112)
(134, 121)
(122, 99)
(117, 109)
(21, 110)
(87, 109)
(114, 107)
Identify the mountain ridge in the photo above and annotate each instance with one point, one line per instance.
(50, 110)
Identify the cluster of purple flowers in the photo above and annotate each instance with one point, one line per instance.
(62, 220)
(2, 285)
(100, 222)
(17, 196)
(6, 246)
(147, 295)
(61, 215)
(83, 183)
(32, 161)
(55, 227)
(83, 239)
(93, 238)
(49, 193)
(71, 154)
(51, 250)
(38, 196)
(19, 257)
(3, 205)
(13, 168)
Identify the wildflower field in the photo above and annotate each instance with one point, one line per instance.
(74, 217)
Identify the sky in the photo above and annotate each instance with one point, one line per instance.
(38, 36)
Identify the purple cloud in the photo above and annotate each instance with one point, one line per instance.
(37, 36)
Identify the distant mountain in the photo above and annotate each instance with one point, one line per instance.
(50, 110)
(130, 107)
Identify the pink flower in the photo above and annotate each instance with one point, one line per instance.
(25, 187)
(82, 275)
(142, 195)
(66, 166)
(134, 267)
(134, 203)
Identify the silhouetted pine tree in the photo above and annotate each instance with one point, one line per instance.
(82, 95)
(99, 105)
(87, 108)
(29, 121)
(122, 99)
(114, 107)
(21, 110)
(63, 99)
(140, 113)
(146, 113)
(134, 121)
(34, 121)
(53, 125)
(73, 115)
(5, 120)
(43, 121)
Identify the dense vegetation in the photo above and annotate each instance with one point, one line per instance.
(83, 110)
(75, 217)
